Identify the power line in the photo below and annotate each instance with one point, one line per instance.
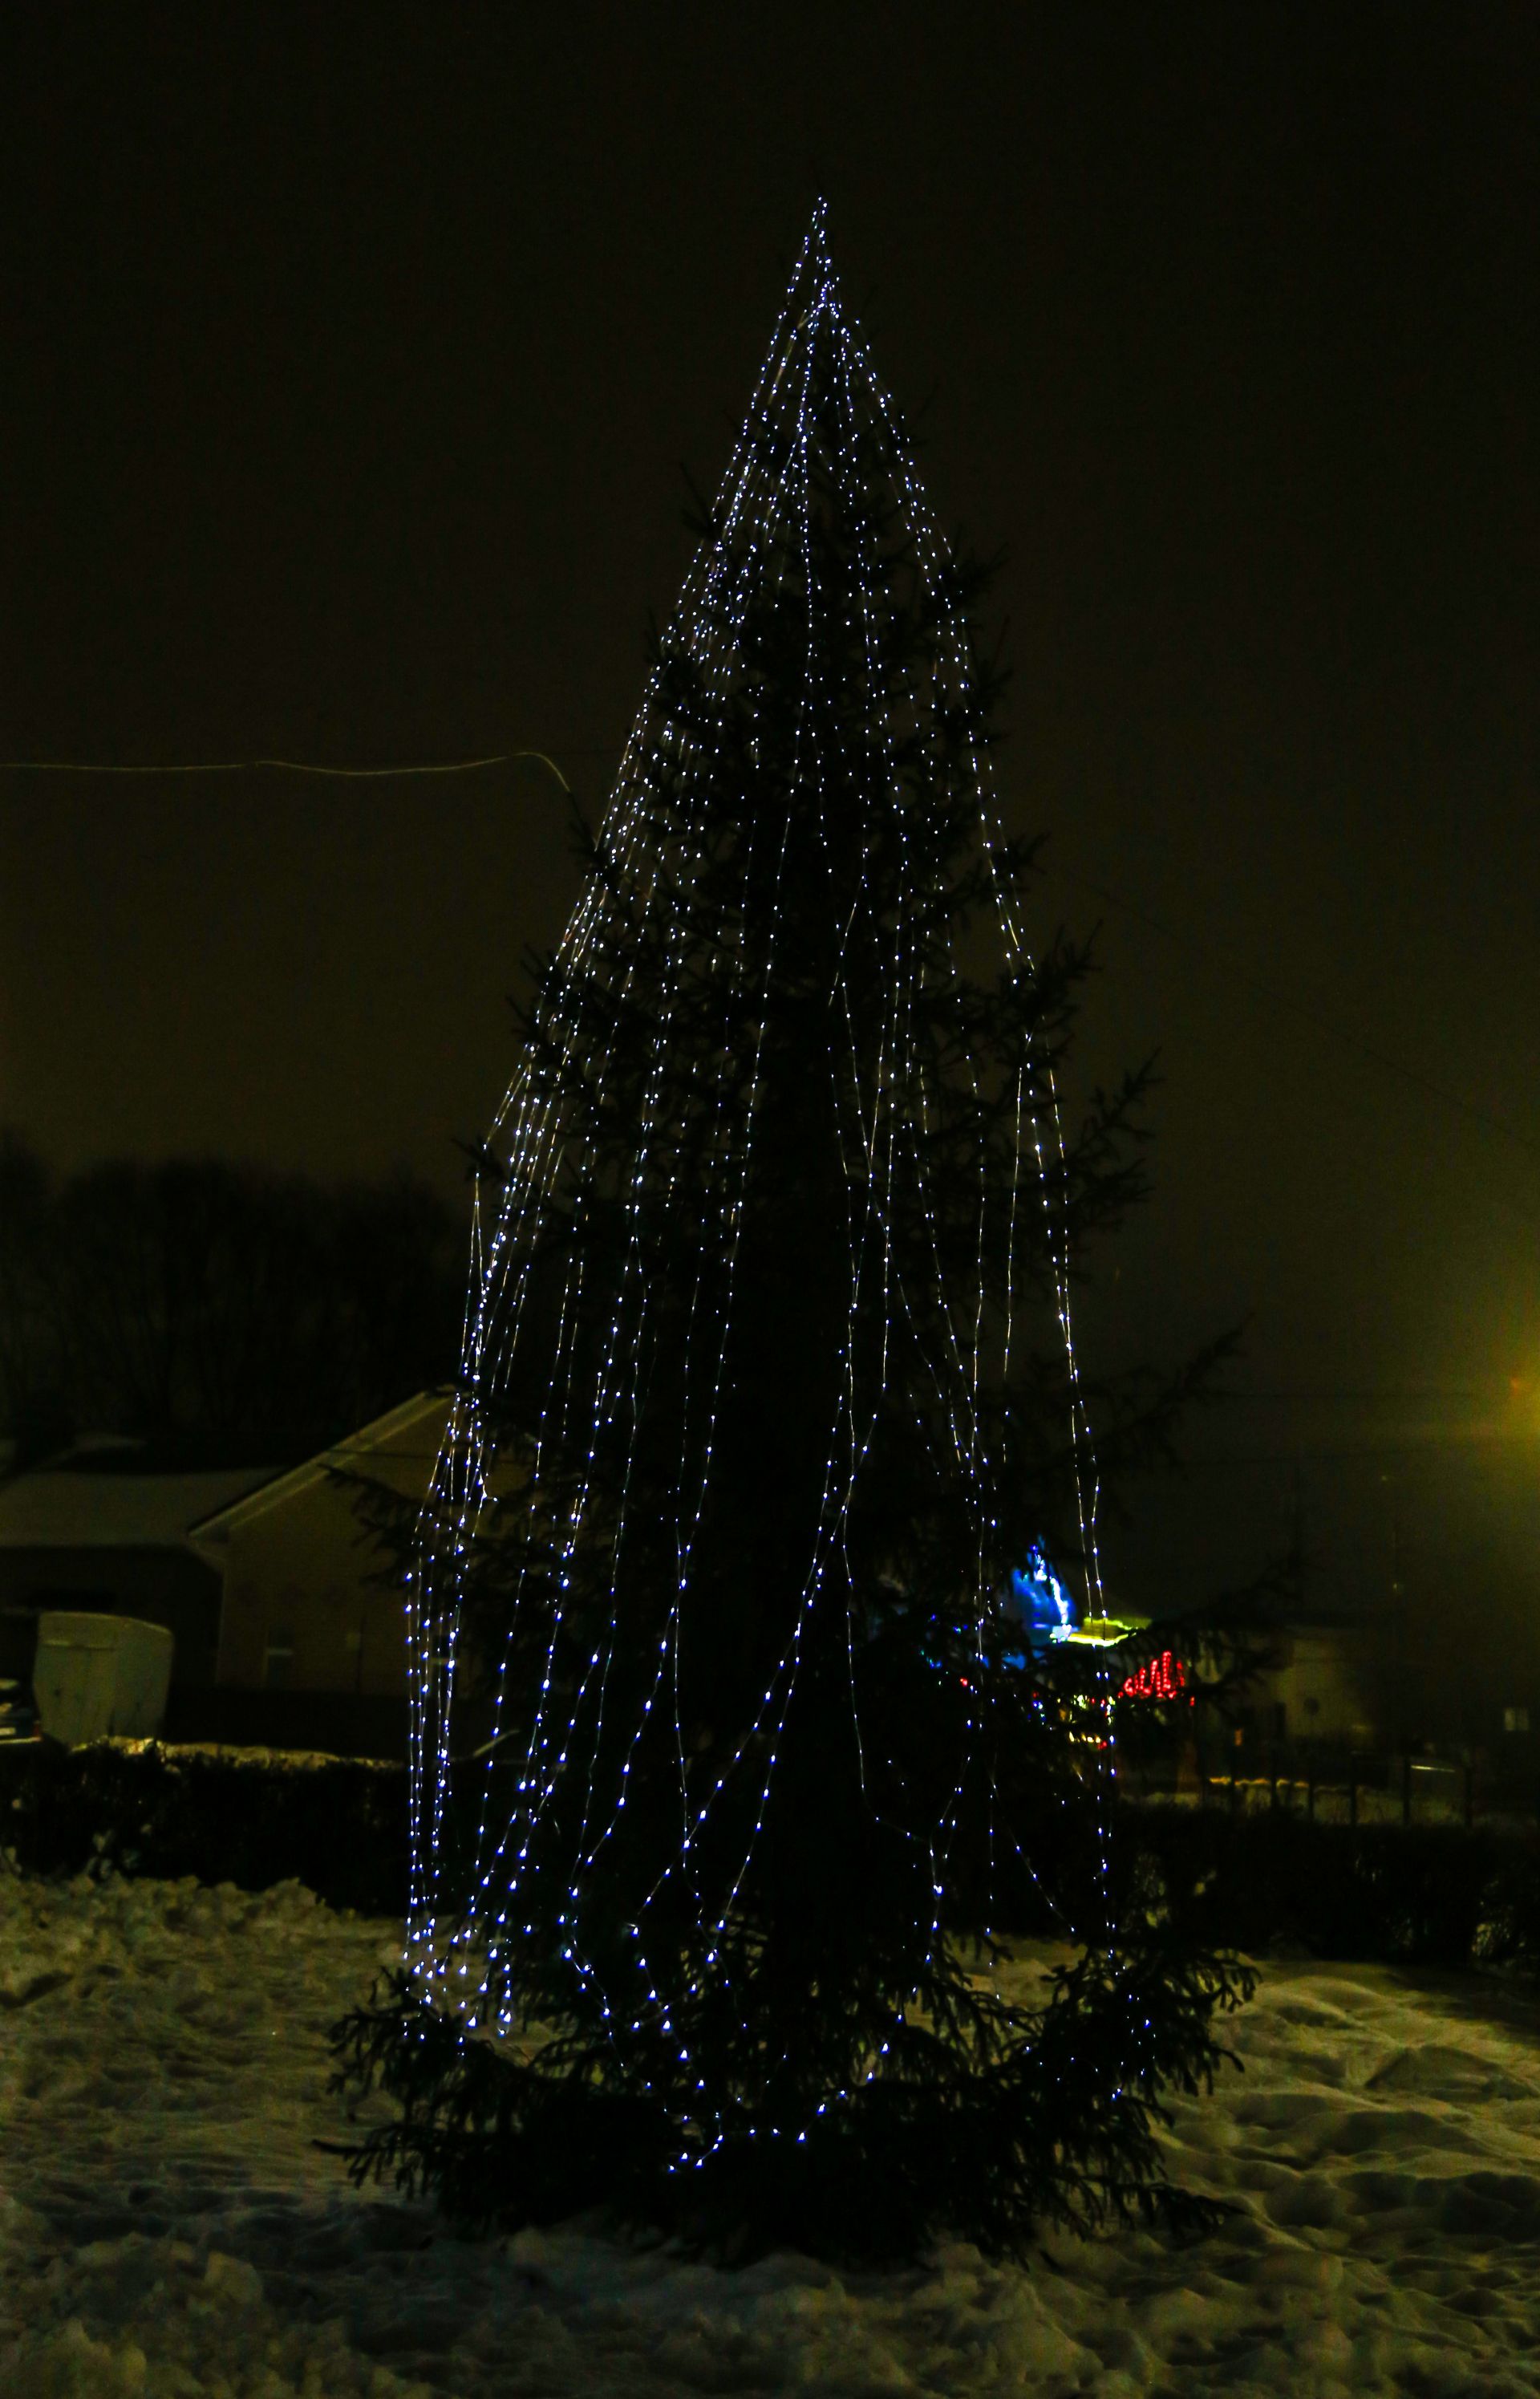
(296, 767)
(1192, 941)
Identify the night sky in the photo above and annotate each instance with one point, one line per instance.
(351, 358)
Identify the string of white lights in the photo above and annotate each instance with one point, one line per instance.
(578, 1695)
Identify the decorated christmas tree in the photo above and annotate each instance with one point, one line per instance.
(733, 1762)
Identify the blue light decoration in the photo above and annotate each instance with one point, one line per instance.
(537, 1753)
(1047, 1610)
(1050, 1617)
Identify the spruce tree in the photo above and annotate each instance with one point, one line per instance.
(731, 1765)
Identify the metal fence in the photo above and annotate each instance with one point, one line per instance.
(1344, 1786)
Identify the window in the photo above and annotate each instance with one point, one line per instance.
(277, 1659)
(1516, 1719)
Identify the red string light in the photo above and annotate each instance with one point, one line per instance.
(1162, 1678)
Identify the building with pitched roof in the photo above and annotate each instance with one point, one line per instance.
(309, 1602)
(90, 1531)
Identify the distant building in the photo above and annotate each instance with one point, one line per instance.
(89, 1532)
(286, 1616)
(1319, 1688)
(310, 1603)
(312, 1648)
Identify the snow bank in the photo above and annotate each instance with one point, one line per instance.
(168, 2230)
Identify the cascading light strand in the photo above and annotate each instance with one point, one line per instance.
(618, 1262)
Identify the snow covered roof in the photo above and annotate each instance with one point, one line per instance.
(55, 1509)
(422, 1417)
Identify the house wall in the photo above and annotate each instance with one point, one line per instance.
(301, 1613)
(1319, 1684)
(168, 1587)
(303, 1607)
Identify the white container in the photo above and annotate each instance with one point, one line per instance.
(101, 1674)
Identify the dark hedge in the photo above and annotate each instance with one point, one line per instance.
(1423, 1894)
(336, 1824)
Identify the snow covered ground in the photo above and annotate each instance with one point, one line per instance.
(168, 2229)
